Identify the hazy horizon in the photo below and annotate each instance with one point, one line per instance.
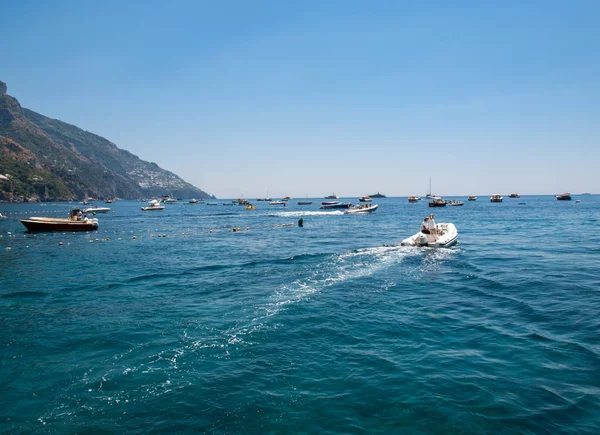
(309, 99)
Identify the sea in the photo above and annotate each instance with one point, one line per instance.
(219, 319)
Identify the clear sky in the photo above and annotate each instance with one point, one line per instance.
(312, 97)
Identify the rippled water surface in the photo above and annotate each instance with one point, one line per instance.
(328, 328)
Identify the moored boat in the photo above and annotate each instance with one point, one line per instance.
(278, 203)
(496, 198)
(336, 205)
(332, 196)
(472, 198)
(445, 236)
(413, 198)
(437, 201)
(304, 202)
(564, 197)
(361, 209)
(365, 198)
(153, 205)
(514, 195)
(193, 201)
(74, 222)
(455, 203)
(96, 209)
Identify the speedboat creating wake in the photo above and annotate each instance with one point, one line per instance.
(446, 236)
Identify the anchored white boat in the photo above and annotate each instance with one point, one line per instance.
(446, 236)
(96, 209)
(153, 205)
(368, 208)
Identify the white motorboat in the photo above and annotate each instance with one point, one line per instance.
(278, 203)
(368, 208)
(169, 200)
(446, 236)
(496, 198)
(96, 209)
(3, 217)
(153, 205)
(455, 203)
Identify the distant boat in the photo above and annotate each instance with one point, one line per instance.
(496, 198)
(278, 203)
(365, 198)
(193, 201)
(472, 198)
(361, 209)
(304, 202)
(336, 205)
(429, 195)
(168, 200)
(153, 205)
(564, 197)
(437, 201)
(514, 195)
(378, 195)
(413, 198)
(211, 203)
(329, 202)
(250, 207)
(109, 201)
(96, 209)
(455, 203)
(287, 198)
(332, 196)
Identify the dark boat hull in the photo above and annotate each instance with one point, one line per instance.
(340, 205)
(32, 225)
(435, 204)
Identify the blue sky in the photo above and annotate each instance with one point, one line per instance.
(309, 98)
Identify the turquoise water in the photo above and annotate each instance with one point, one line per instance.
(328, 328)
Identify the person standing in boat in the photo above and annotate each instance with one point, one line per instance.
(425, 226)
(431, 226)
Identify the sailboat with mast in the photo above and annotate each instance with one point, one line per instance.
(429, 195)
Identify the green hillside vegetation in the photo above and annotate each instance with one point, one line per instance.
(65, 162)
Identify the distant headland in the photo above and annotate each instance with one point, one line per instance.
(44, 159)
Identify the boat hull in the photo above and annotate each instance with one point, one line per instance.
(56, 225)
(437, 204)
(155, 208)
(333, 206)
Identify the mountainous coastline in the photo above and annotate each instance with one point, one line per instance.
(44, 159)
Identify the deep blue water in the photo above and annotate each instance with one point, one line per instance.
(328, 328)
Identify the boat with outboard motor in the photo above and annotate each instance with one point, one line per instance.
(153, 205)
(336, 205)
(472, 198)
(362, 209)
(455, 203)
(75, 222)
(96, 209)
(445, 236)
(413, 199)
(496, 198)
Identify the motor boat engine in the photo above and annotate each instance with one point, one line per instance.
(422, 240)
